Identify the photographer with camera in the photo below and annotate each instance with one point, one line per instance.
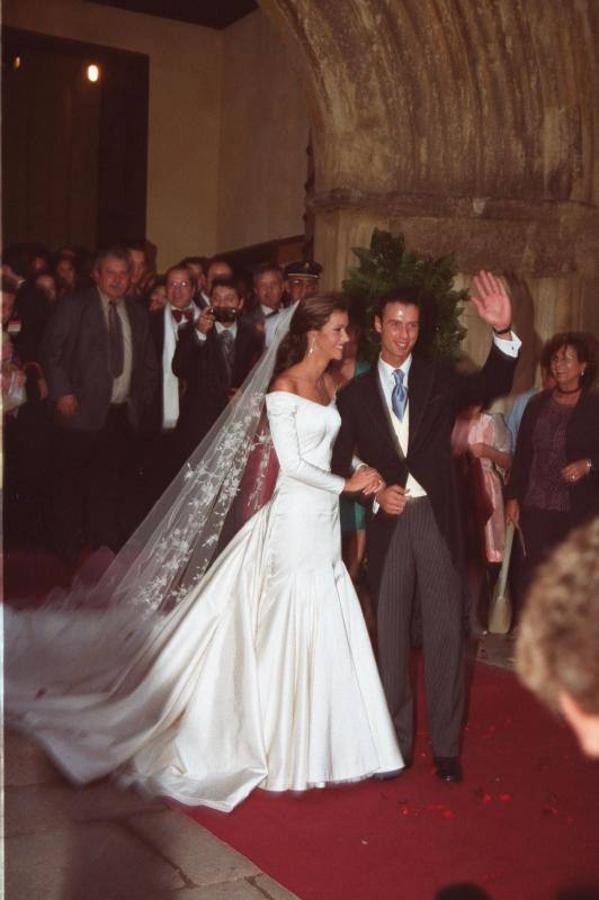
(213, 357)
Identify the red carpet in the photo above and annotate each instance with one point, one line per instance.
(524, 825)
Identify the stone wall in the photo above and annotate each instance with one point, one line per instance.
(184, 111)
(468, 126)
(264, 132)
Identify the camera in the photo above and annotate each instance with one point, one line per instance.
(225, 314)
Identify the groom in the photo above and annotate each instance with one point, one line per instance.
(398, 418)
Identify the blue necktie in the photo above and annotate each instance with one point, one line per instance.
(399, 397)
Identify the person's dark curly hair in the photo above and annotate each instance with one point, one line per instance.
(311, 314)
(585, 347)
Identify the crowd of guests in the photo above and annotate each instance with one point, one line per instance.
(95, 430)
(112, 373)
(536, 467)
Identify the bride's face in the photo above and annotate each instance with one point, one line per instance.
(332, 337)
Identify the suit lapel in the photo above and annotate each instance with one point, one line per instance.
(132, 309)
(98, 323)
(420, 383)
(377, 412)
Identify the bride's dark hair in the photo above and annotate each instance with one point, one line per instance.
(311, 315)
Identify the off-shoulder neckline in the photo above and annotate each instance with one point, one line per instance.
(306, 399)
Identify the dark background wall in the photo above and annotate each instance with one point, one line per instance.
(74, 152)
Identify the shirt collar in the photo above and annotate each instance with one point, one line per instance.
(106, 300)
(220, 328)
(386, 370)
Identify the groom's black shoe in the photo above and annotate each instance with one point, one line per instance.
(449, 769)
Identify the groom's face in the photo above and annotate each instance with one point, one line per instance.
(398, 329)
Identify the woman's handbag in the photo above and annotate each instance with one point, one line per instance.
(500, 611)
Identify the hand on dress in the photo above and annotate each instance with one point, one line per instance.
(393, 499)
(364, 480)
(492, 301)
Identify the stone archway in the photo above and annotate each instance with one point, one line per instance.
(468, 126)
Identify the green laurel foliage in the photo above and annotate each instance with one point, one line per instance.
(387, 266)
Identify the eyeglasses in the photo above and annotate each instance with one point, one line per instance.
(179, 284)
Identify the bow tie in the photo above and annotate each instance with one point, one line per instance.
(179, 314)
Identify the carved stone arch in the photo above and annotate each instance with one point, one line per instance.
(469, 126)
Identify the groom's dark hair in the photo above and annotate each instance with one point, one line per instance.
(410, 295)
(405, 295)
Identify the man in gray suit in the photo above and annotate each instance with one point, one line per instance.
(102, 373)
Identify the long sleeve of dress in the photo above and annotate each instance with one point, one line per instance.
(282, 411)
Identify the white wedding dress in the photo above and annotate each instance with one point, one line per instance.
(263, 677)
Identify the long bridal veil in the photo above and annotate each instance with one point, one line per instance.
(106, 622)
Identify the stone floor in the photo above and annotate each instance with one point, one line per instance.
(100, 843)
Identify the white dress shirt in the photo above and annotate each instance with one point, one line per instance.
(170, 383)
(272, 321)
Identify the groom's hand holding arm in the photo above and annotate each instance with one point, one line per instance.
(364, 480)
(392, 499)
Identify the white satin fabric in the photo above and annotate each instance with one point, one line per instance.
(263, 677)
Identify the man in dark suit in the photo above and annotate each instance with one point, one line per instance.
(101, 370)
(269, 287)
(398, 418)
(213, 357)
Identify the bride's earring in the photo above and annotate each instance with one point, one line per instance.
(312, 347)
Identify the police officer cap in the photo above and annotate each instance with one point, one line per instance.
(307, 268)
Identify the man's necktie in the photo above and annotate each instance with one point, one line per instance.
(115, 340)
(399, 397)
(180, 314)
(227, 342)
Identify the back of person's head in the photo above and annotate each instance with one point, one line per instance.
(558, 640)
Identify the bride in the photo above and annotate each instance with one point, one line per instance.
(203, 683)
